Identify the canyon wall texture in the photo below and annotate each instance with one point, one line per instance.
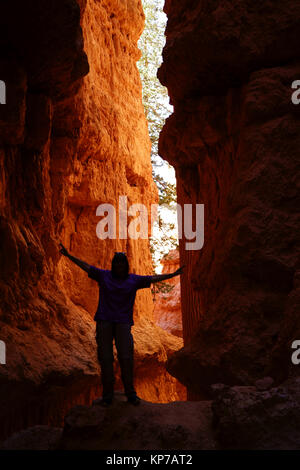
(167, 303)
(234, 142)
(73, 135)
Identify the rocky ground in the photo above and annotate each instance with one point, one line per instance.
(242, 417)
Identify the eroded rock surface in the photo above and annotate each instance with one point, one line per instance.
(167, 305)
(246, 417)
(261, 417)
(73, 135)
(122, 426)
(39, 437)
(233, 139)
(177, 425)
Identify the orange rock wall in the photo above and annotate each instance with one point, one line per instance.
(73, 135)
(234, 142)
(167, 305)
(113, 148)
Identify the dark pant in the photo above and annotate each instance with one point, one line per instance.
(105, 332)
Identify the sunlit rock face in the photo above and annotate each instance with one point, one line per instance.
(73, 135)
(234, 142)
(167, 305)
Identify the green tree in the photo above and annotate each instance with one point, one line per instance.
(157, 109)
(155, 96)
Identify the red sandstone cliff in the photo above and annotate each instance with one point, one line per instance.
(167, 306)
(234, 142)
(73, 135)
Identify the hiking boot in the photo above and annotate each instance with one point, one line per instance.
(103, 401)
(106, 401)
(134, 400)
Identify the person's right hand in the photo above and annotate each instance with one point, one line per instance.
(63, 250)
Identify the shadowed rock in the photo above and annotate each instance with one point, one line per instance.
(122, 426)
(177, 425)
(251, 418)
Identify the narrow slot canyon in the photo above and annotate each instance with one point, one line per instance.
(212, 361)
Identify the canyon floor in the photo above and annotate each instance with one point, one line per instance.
(241, 417)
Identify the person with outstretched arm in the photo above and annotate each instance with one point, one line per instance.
(114, 318)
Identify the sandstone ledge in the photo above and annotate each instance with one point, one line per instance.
(122, 426)
(261, 417)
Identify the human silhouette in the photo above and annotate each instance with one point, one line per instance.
(114, 319)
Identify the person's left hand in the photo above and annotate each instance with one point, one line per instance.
(179, 270)
(63, 250)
